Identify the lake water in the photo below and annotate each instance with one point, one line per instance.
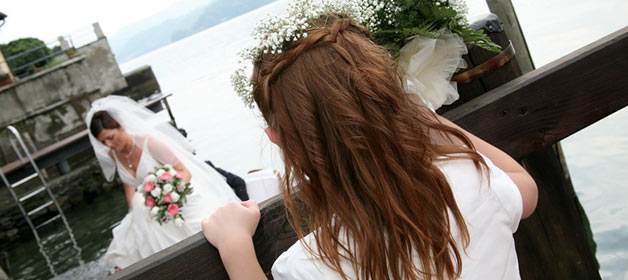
(197, 69)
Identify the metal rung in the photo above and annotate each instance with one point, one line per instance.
(49, 221)
(32, 194)
(24, 180)
(40, 208)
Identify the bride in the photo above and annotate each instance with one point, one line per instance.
(130, 139)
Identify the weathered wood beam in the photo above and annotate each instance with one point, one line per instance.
(195, 258)
(544, 106)
(523, 116)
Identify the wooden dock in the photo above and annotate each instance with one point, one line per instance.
(525, 117)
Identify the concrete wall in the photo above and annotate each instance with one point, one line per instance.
(85, 179)
(50, 106)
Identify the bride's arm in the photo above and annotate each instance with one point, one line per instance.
(162, 153)
(186, 173)
(129, 192)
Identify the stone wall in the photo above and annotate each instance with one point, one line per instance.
(85, 179)
(50, 105)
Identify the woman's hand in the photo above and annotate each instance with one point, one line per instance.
(230, 230)
(232, 223)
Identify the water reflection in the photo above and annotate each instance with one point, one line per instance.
(91, 224)
(596, 157)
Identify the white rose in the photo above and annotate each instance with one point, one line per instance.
(168, 188)
(178, 221)
(168, 166)
(156, 192)
(173, 172)
(175, 197)
(150, 178)
(154, 211)
(159, 172)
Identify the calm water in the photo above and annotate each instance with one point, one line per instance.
(91, 224)
(197, 71)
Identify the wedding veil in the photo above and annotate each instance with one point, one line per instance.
(137, 120)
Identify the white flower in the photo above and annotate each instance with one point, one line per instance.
(154, 211)
(159, 172)
(275, 31)
(168, 167)
(172, 172)
(178, 221)
(168, 188)
(150, 178)
(175, 197)
(156, 192)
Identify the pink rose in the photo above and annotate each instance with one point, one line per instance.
(173, 209)
(168, 197)
(150, 202)
(166, 176)
(179, 175)
(149, 186)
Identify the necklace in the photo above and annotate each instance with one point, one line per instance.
(128, 156)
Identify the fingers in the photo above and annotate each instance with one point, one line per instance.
(249, 204)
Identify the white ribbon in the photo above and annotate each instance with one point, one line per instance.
(428, 64)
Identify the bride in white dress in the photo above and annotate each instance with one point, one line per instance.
(131, 139)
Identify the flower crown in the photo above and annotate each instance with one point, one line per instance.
(390, 22)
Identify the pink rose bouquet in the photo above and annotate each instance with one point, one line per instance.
(165, 192)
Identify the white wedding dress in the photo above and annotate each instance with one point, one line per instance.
(139, 235)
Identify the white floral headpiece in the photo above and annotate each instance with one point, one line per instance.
(276, 33)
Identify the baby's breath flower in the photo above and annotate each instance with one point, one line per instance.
(276, 34)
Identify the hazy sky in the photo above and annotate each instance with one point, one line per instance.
(550, 31)
(47, 20)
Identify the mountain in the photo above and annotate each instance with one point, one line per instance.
(178, 21)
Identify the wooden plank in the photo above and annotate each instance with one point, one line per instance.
(195, 258)
(552, 243)
(544, 106)
(505, 11)
(558, 100)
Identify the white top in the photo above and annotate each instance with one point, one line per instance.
(492, 214)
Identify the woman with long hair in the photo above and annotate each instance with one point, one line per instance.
(390, 189)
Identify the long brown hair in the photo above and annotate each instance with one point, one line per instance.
(360, 156)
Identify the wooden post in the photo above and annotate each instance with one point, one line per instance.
(506, 12)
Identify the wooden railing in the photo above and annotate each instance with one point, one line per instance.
(524, 117)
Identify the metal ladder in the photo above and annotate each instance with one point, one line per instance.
(44, 187)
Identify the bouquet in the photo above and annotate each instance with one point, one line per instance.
(165, 193)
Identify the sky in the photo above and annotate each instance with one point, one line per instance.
(550, 32)
(47, 20)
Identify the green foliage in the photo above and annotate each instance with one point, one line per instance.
(428, 18)
(32, 49)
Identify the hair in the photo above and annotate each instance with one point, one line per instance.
(360, 156)
(102, 120)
